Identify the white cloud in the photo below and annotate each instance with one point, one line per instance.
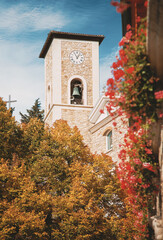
(22, 18)
(105, 68)
(22, 75)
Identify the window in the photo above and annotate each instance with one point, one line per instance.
(109, 141)
(76, 92)
(48, 97)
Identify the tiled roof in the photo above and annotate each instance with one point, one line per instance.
(67, 35)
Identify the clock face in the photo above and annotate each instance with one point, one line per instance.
(76, 57)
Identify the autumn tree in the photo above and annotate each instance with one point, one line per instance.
(32, 137)
(86, 193)
(10, 133)
(23, 208)
(91, 204)
(60, 146)
(34, 112)
(55, 188)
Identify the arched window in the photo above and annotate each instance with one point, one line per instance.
(76, 92)
(109, 139)
(49, 97)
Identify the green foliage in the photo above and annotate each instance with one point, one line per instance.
(34, 112)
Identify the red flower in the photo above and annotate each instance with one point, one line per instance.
(110, 81)
(140, 214)
(123, 56)
(146, 165)
(132, 179)
(130, 81)
(137, 161)
(139, 180)
(138, 19)
(128, 27)
(148, 151)
(111, 94)
(114, 65)
(114, 124)
(119, 63)
(142, 31)
(129, 35)
(118, 74)
(101, 111)
(114, 3)
(122, 7)
(145, 185)
(121, 99)
(159, 95)
(130, 70)
(122, 42)
(146, 4)
(124, 59)
(121, 53)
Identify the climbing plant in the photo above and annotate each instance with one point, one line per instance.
(133, 96)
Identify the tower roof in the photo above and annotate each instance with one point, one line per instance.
(67, 35)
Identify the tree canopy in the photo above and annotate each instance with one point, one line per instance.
(52, 186)
(34, 112)
(10, 133)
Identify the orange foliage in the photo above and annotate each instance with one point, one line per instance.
(53, 187)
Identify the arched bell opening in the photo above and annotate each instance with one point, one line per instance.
(76, 92)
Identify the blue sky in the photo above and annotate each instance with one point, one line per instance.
(24, 26)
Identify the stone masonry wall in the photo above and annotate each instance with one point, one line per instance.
(78, 118)
(69, 69)
(98, 143)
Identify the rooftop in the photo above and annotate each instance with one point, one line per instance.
(67, 35)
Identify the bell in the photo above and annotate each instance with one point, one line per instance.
(76, 92)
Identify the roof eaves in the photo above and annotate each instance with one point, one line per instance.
(67, 35)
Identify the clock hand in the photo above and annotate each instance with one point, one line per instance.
(77, 55)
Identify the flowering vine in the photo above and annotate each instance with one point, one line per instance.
(132, 92)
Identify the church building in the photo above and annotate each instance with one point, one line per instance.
(72, 89)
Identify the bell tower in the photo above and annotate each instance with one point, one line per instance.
(71, 77)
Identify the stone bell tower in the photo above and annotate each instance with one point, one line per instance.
(71, 77)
